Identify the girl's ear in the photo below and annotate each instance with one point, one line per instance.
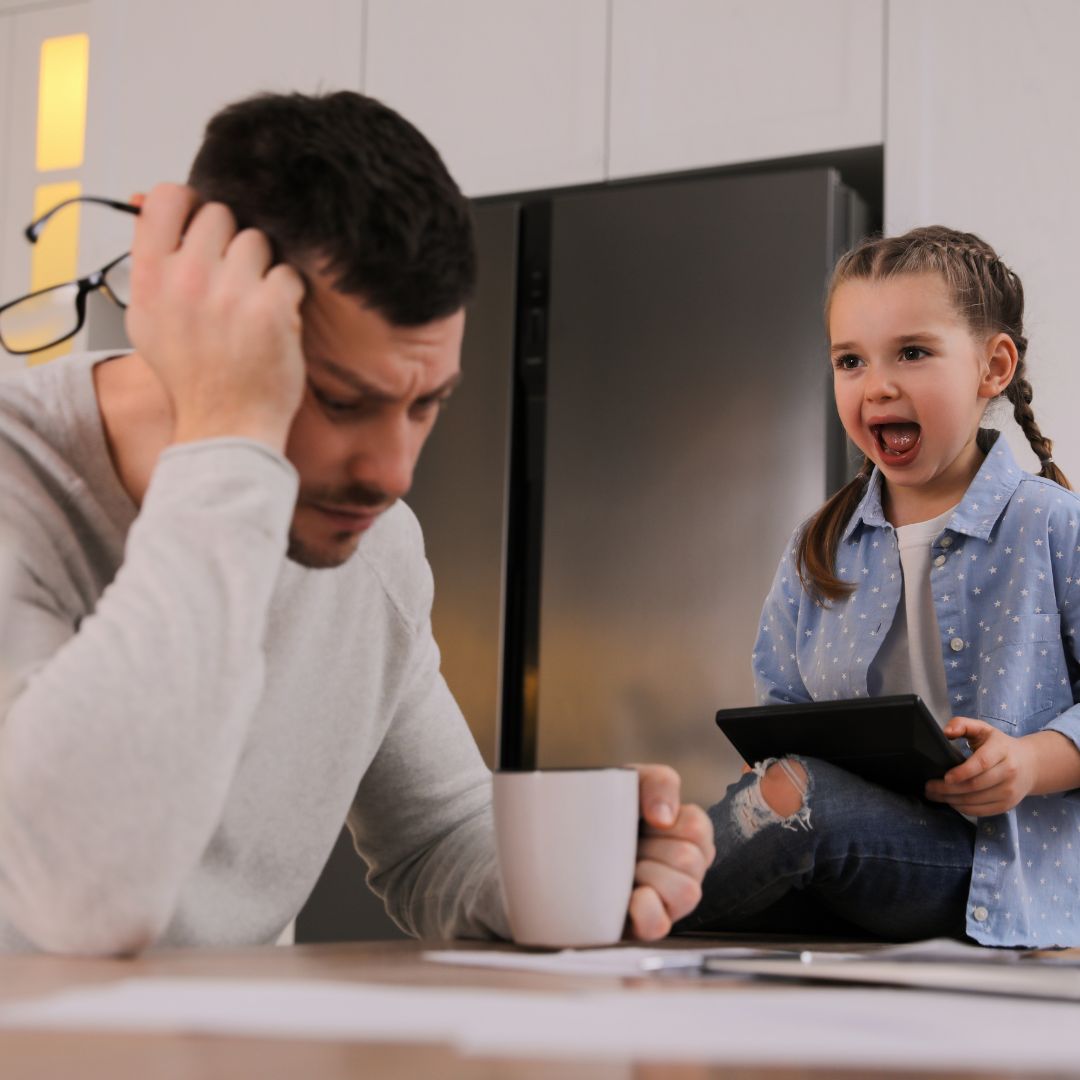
(1001, 361)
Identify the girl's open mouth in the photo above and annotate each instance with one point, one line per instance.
(898, 442)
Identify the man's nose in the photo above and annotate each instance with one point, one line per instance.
(387, 460)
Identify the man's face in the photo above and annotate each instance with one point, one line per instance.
(373, 393)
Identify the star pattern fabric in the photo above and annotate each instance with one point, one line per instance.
(1006, 587)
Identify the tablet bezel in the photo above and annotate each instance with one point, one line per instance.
(893, 741)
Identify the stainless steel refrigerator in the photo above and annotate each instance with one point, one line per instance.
(645, 417)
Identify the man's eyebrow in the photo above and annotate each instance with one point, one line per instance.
(903, 339)
(372, 392)
(444, 389)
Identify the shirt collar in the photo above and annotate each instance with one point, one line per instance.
(979, 509)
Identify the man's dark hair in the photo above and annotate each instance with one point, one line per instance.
(342, 177)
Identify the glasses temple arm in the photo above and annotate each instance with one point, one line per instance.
(33, 231)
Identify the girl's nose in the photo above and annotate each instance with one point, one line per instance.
(879, 384)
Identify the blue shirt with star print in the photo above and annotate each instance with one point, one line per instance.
(1006, 585)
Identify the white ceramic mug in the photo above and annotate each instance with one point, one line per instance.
(567, 843)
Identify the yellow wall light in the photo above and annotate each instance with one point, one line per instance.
(62, 81)
(63, 76)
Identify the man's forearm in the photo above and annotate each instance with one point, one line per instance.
(116, 757)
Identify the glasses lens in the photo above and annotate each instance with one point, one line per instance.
(41, 320)
(118, 281)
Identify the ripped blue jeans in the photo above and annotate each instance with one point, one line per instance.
(855, 858)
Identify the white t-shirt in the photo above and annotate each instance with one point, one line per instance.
(910, 658)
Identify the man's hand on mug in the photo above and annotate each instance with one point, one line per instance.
(215, 320)
(675, 850)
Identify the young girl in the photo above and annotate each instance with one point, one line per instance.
(941, 569)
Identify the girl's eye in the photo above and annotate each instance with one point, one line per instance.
(913, 352)
(847, 362)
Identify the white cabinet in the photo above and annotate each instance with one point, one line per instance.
(982, 117)
(511, 92)
(700, 83)
(159, 71)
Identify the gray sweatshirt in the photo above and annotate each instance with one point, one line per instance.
(187, 718)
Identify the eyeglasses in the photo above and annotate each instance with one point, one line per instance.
(42, 319)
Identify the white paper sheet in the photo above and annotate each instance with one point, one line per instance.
(938, 964)
(823, 1027)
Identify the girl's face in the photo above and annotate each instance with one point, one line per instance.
(912, 382)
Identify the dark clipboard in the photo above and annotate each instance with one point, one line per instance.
(891, 741)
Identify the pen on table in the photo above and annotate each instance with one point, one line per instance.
(673, 961)
(695, 961)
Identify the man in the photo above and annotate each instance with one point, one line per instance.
(223, 644)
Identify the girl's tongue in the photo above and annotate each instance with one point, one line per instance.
(898, 438)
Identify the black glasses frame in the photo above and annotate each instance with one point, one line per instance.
(33, 231)
(84, 285)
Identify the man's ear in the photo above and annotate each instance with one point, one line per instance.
(1001, 361)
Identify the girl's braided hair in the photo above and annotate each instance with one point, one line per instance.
(990, 297)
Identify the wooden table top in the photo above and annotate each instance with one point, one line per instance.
(179, 1055)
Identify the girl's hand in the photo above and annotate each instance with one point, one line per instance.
(1001, 771)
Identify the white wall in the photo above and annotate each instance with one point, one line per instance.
(981, 134)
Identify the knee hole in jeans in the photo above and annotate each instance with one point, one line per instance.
(783, 786)
(778, 796)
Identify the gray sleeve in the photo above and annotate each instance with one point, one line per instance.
(422, 819)
(118, 742)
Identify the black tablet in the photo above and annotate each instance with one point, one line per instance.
(892, 741)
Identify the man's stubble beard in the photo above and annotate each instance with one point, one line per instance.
(318, 558)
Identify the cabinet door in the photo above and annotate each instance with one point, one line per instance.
(701, 83)
(161, 69)
(512, 94)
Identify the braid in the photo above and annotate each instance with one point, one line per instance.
(819, 540)
(1019, 393)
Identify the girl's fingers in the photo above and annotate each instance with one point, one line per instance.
(980, 762)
